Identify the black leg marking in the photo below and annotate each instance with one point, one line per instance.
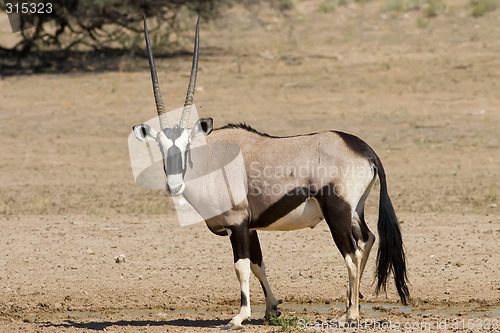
(256, 254)
(258, 268)
(240, 241)
(337, 214)
(244, 300)
(364, 228)
(255, 251)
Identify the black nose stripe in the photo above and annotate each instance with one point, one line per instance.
(174, 161)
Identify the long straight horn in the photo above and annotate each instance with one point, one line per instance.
(186, 111)
(154, 77)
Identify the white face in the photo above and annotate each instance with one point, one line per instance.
(174, 144)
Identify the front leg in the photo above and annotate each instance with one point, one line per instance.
(240, 243)
(259, 270)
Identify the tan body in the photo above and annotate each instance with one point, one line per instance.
(275, 166)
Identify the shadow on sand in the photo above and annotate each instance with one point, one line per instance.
(103, 325)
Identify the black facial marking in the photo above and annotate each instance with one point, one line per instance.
(174, 157)
(174, 161)
(187, 159)
(173, 133)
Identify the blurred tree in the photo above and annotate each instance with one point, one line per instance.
(100, 24)
(106, 26)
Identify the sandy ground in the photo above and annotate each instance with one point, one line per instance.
(422, 92)
(60, 272)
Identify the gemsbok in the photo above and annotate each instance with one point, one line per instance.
(293, 182)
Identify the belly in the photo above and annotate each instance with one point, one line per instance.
(306, 215)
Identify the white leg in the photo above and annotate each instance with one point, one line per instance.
(271, 301)
(242, 268)
(353, 263)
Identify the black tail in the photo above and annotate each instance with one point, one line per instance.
(390, 256)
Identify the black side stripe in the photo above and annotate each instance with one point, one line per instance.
(289, 202)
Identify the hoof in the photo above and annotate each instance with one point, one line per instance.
(232, 326)
(274, 314)
(361, 296)
(345, 320)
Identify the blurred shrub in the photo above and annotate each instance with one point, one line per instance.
(400, 5)
(327, 6)
(434, 7)
(481, 7)
(429, 8)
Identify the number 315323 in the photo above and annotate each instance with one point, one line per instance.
(28, 8)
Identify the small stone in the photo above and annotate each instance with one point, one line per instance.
(120, 259)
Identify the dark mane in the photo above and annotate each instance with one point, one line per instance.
(246, 128)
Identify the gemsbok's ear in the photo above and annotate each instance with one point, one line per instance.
(144, 133)
(203, 126)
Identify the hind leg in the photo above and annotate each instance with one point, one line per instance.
(353, 264)
(259, 270)
(364, 237)
(365, 240)
(338, 216)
